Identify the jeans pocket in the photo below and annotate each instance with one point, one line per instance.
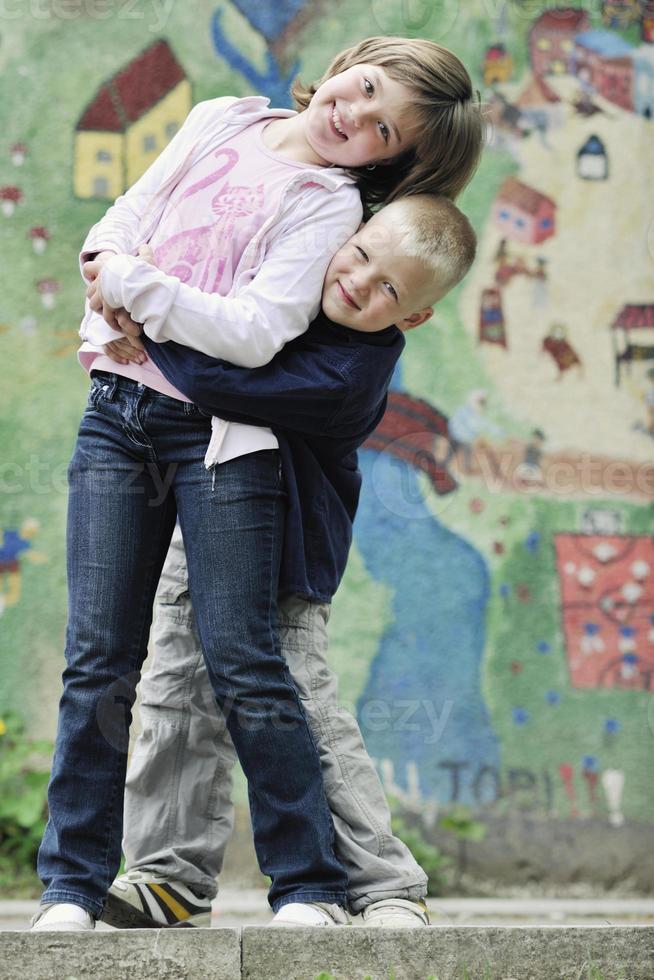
(97, 390)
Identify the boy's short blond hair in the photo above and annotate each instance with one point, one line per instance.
(431, 228)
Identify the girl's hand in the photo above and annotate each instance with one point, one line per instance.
(98, 304)
(125, 351)
(91, 269)
(119, 320)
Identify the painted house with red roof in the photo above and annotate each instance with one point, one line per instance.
(129, 121)
(523, 214)
(632, 333)
(552, 39)
(604, 62)
(498, 64)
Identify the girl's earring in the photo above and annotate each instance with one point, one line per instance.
(371, 166)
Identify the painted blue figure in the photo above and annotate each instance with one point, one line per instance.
(14, 543)
(269, 20)
(423, 704)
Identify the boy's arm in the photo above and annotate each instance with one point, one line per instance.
(250, 327)
(118, 230)
(299, 390)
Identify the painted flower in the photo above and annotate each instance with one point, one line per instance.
(632, 592)
(604, 551)
(640, 569)
(532, 542)
(586, 576)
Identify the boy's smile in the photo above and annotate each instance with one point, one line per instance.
(371, 284)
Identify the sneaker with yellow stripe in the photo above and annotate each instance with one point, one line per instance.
(143, 900)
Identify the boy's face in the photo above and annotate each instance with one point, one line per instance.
(370, 284)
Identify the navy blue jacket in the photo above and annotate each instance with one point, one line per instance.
(322, 395)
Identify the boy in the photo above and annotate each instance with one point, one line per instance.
(322, 394)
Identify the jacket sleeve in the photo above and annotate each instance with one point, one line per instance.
(298, 390)
(251, 326)
(117, 231)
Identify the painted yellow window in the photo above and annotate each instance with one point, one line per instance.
(544, 44)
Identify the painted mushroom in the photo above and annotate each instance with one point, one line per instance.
(40, 237)
(10, 197)
(48, 288)
(18, 153)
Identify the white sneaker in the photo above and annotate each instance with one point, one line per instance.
(62, 917)
(395, 913)
(145, 900)
(311, 914)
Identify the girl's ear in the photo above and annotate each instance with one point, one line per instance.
(415, 319)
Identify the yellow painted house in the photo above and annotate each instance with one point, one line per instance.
(129, 121)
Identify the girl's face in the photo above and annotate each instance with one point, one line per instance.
(360, 116)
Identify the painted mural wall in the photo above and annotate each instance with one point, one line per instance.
(495, 629)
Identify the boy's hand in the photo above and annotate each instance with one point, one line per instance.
(125, 351)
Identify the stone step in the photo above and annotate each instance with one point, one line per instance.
(258, 953)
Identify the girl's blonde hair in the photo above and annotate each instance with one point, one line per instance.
(450, 125)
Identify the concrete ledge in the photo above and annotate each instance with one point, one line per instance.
(137, 954)
(445, 953)
(256, 953)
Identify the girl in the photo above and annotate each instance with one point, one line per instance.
(243, 210)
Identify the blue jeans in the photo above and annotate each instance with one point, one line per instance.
(138, 464)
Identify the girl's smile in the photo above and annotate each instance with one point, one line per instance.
(358, 117)
(336, 123)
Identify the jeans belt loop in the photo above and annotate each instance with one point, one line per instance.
(111, 386)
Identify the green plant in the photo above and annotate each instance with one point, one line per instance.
(460, 822)
(431, 859)
(23, 784)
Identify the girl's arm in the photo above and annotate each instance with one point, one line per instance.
(118, 230)
(249, 328)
